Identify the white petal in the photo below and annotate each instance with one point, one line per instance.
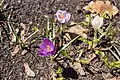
(67, 18)
(97, 22)
(61, 20)
(59, 11)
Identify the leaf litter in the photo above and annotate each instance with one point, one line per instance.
(101, 7)
(28, 71)
(79, 30)
(15, 51)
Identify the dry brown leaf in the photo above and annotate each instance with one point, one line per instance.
(114, 78)
(91, 57)
(23, 52)
(22, 35)
(23, 26)
(79, 30)
(79, 68)
(28, 71)
(13, 37)
(16, 49)
(101, 7)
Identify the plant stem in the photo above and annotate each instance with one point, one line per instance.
(47, 28)
(115, 55)
(95, 38)
(61, 29)
(65, 46)
(30, 36)
(106, 31)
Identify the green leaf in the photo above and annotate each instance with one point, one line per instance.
(100, 53)
(115, 64)
(87, 18)
(60, 70)
(60, 78)
(84, 23)
(35, 29)
(86, 41)
(84, 61)
(65, 53)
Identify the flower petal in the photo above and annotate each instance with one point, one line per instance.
(50, 43)
(47, 48)
(97, 22)
(43, 53)
(67, 18)
(59, 12)
(62, 20)
(43, 46)
(63, 16)
(54, 51)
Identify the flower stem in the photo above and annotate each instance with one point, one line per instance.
(30, 36)
(47, 28)
(61, 29)
(95, 39)
(65, 47)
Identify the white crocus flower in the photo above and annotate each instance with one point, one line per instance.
(63, 16)
(97, 22)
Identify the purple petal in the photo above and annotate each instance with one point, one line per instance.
(43, 53)
(50, 43)
(62, 20)
(44, 48)
(54, 51)
(67, 17)
(59, 12)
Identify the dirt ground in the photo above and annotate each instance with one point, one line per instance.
(31, 13)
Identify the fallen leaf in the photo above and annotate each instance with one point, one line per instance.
(23, 52)
(67, 37)
(114, 78)
(22, 35)
(79, 30)
(101, 7)
(28, 71)
(13, 37)
(91, 57)
(107, 75)
(23, 26)
(79, 68)
(16, 49)
(73, 23)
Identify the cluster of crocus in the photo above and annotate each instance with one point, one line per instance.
(47, 48)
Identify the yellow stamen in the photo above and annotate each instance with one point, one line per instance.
(48, 48)
(62, 16)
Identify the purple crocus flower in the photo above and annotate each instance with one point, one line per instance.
(63, 16)
(47, 48)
